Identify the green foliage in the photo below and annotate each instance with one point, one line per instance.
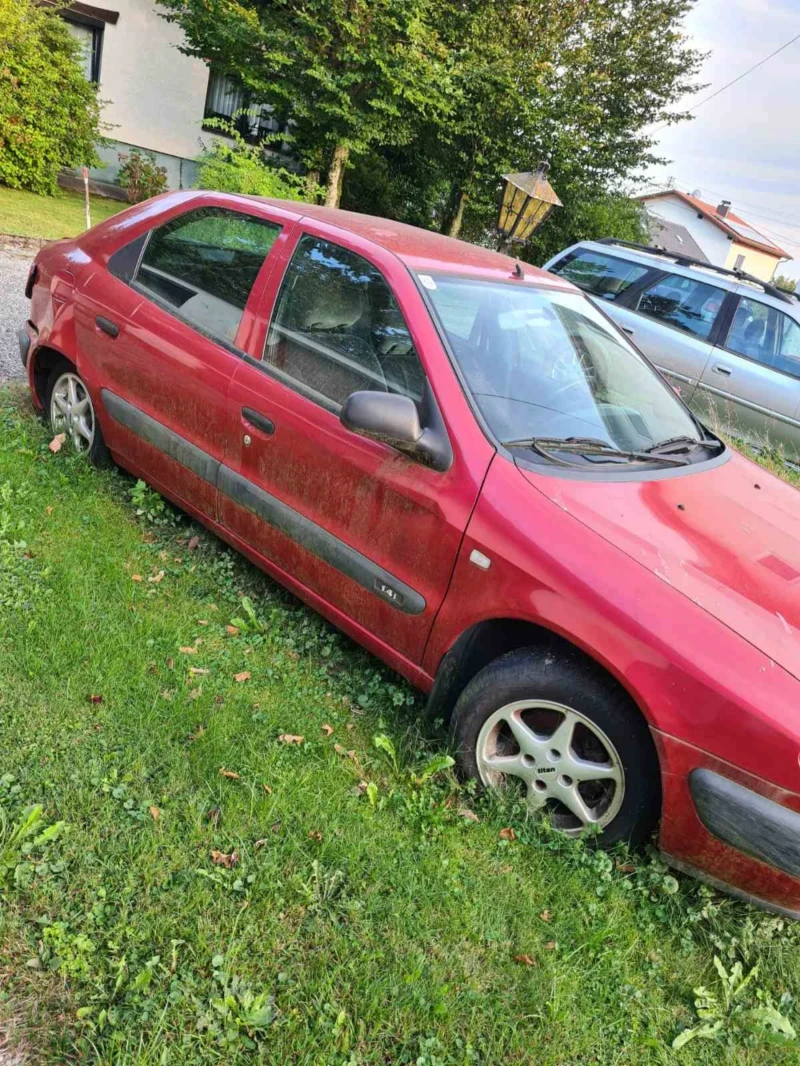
(151, 506)
(578, 84)
(787, 284)
(740, 1008)
(141, 176)
(25, 839)
(236, 166)
(350, 74)
(372, 912)
(49, 112)
(587, 216)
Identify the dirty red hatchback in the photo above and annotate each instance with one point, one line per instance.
(468, 468)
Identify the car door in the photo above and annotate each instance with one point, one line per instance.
(751, 385)
(160, 329)
(672, 320)
(363, 532)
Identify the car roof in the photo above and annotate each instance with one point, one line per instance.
(423, 251)
(663, 261)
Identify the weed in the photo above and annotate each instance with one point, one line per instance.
(732, 1012)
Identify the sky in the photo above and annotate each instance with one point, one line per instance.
(744, 146)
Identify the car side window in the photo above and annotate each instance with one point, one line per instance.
(765, 334)
(204, 263)
(682, 302)
(607, 276)
(337, 328)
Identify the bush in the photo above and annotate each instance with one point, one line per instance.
(49, 112)
(140, 176)
(241, 167)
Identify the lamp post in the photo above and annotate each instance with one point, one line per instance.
(527, 200)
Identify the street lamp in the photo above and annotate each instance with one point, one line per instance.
(527, 200)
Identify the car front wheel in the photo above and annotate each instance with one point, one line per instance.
(562, 733)
(71, 412)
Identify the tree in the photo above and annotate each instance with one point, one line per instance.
(350, 73)
(780, 281)
(576, 82)
(49, 112)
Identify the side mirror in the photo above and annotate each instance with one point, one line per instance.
(397, 420)
(384, 415)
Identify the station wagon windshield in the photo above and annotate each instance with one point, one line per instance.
(543, 364)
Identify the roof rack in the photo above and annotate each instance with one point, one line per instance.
(685, 260)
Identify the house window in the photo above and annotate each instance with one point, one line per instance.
(228, 99)
(89, 35)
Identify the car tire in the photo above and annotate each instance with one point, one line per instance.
(70, 410)
(567, 737)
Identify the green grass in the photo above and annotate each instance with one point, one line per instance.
(367, 920)
(25, 214)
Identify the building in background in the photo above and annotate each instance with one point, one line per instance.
(724, 238)
(155, 98)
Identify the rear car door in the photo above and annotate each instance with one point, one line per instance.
(160, 329)
(366, 534)
(752, 382)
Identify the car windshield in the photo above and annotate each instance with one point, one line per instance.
(547, 364)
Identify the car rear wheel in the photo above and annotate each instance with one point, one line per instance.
(560, 733)
(71, 412)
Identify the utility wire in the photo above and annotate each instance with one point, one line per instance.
(744, 74)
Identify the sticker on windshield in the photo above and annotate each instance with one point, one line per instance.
(427, 281)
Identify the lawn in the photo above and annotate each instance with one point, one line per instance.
(25, 214)
(255, 854)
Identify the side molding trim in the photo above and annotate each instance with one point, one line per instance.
(157, 434)
(747, 820)
(320, 542)
(240, 490)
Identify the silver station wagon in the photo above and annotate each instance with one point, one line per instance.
(728, 342)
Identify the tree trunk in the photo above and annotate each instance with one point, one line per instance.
(312, 182)
(336, 175)
(454, 228)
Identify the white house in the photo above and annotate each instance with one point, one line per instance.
(155, 98)
(726, 239)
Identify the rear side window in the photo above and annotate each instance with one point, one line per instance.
(684, 303)
(204, 264)
(337, 328)
(602, 275)
(768, 336)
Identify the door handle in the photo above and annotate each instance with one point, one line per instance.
(722, 370)
(628, 331)
(107, 326)
(266, 425)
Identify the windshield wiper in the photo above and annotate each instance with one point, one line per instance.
(686, 442)
(588, 446)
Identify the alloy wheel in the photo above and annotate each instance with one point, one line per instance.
(71, 411)
(564, 763)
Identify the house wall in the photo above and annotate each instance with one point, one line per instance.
(719, 249)
(760, 264)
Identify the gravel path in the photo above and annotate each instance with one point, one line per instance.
(13, 309)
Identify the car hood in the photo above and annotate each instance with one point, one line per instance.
(727, 537)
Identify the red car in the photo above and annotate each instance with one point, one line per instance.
(468, 468)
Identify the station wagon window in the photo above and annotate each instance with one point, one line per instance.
(684, 303)
(204, 263)
(602, 275)
(337, 328)
(765, 334)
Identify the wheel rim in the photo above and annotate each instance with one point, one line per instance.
(565, 764)
(71, 411)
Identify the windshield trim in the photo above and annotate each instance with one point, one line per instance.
(600, 473)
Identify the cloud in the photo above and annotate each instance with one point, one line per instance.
(745, 144)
